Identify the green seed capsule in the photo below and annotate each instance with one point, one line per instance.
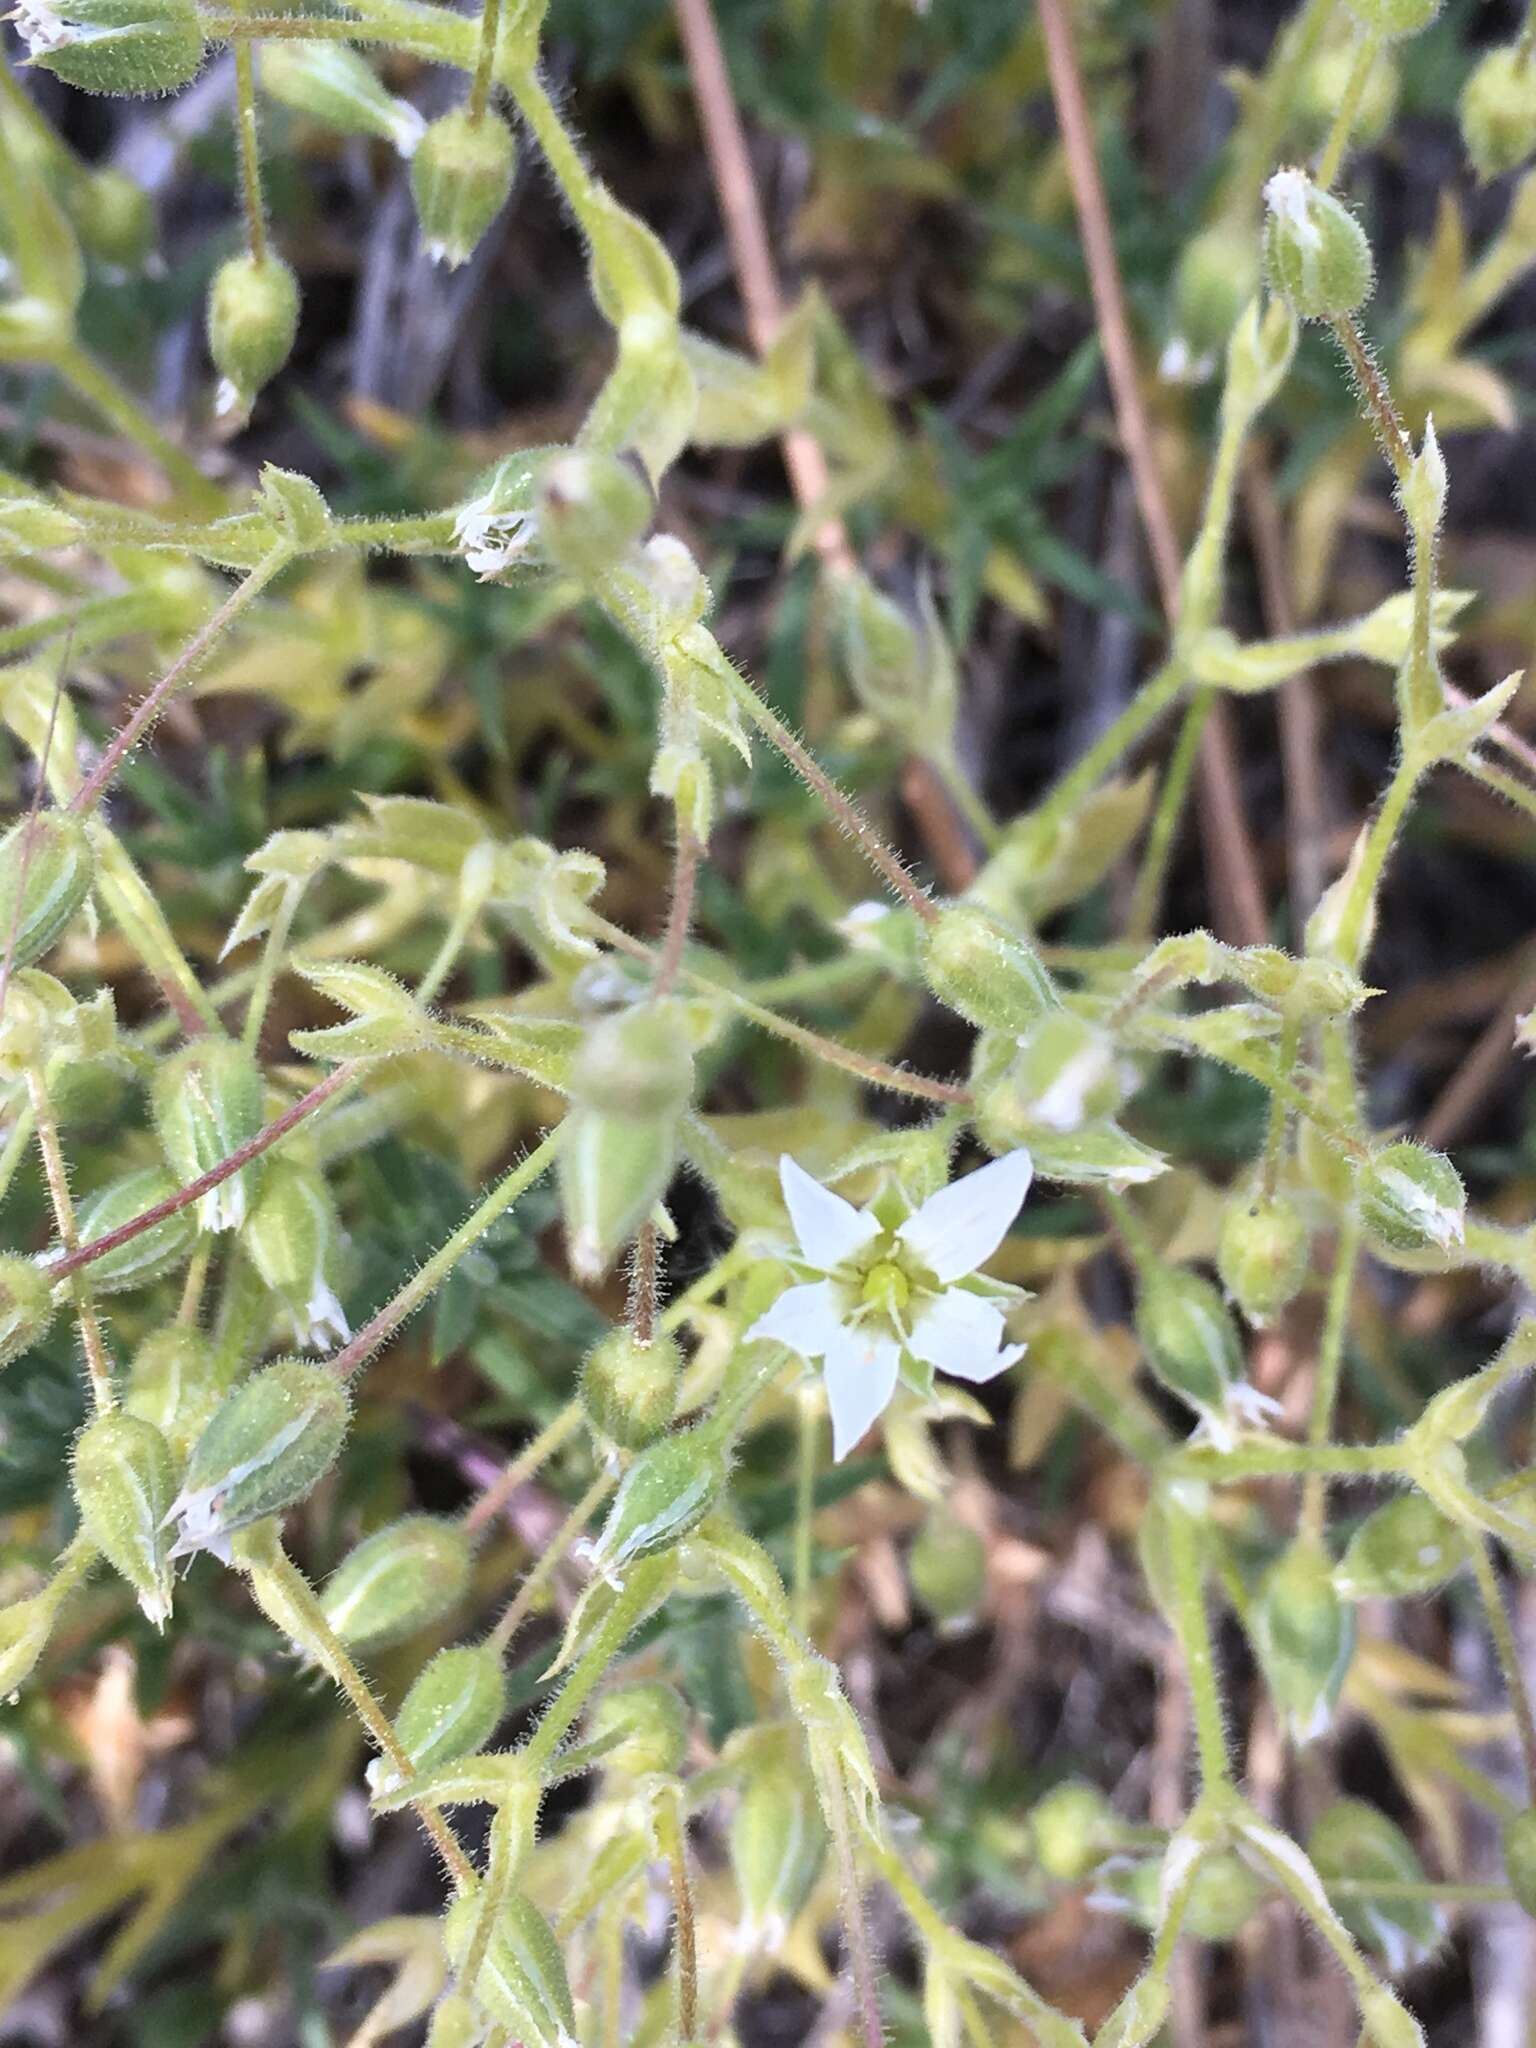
(1263, 1256)
(452, 1710)
(1356, 1843)
(947, 1565)
(114, 217)
(26, 1306)
(666, 1492)
(270, 1442)
(132, 47)
(397, 1581)
(1412, 1199)
(1188, 1338)
(977, 966)
(629, 1389)
(461, 178)
(521, 1983)
(289, 1237)
(777, 1838)
(1520, 1860)
(630, 1084)
(172, 1383)
(1217, 275)
(592, 508)
(1073, 1828)
(650, 1719)
(1498, 113)
(1315, 250)
(154, 1252)
(1407, 1547)
(124, 1482)
(253, 320)
(207, 1102)
(1305, 1637)
(46, 860)
(25, 1627)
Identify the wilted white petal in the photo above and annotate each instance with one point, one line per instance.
(962, 1334)
(808, 1319)
(860, 1373)
(961, 1226)
(827, 1228)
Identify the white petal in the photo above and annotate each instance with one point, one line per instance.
(860, 1373)
(962, 1334)
(808, 1319)
(827, 1228)
(961, 1226)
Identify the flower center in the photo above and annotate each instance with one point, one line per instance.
(886, 1291)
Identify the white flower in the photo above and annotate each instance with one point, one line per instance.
(492, 539)
(41, 29)
(889, 1296)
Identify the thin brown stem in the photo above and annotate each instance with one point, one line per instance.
(77, 1256)
(138, 722)
(643, 1281)
(519, 1470)
(1380, 408)
(57, 1176)
(1231, 865)
(685, 875)
(550, 1558)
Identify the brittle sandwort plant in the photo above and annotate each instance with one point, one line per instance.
(700, 1281)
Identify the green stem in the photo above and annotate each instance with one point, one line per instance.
(485, 60)
(805, 1507)
(519, 1470)
(1192, 1625)
(549, 1560)
(1157, 695)
(672, 1840)
(97, 1364)
(1507, 1650)
(1279, 1115)
(1330, 1363)
(101, 390)
(435, 1271)
(1351, 942)
(625, 1615)
(1289, 1461)
(249, 139)
(1349, 107)
(272, 955)
(1146, 901)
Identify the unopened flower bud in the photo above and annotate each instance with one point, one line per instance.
(172, 1383)
(1216, 276)
(207, 1101)
(777, 1837)
(134, 47)
(26, 1306)
(1064, 1072)
(1189, 1340)
(114, 217)
(666, 1492)
(124, 1483)
(397, 1581)
(153, 1252)
(45, 862)
(947, 1565)
(253, 319)
(461, 176)
(1315, 249)
(629, 1086)
(269, 1443)
(651, 1721)
(1073, 1828)
(1305, 1636)
(1412, 1199)
(592, 508)
(1263, 1255)
(289, 1238)
(452, 1710)
(1395, 18)
(1520, 1860)
(338, 86)
(1406, 1547)
(521, 1982)
(1498, 112)
(629, 1388)
(30, 526)
(992, 976)
(1354, 1843)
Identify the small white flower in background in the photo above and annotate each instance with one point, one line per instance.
(41, 29)
(894, 1296)
(490, 539)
